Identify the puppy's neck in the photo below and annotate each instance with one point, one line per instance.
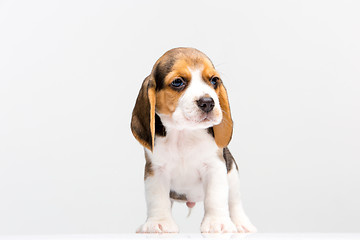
(183, 133)
(182, 139)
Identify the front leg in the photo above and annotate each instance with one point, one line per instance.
(237, 213)
(216, 188)
(159, 218)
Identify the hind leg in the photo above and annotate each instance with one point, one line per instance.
(237, 213)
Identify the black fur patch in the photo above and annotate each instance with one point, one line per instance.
(176, 196)
(159, 127)
(161, 70)
(210, 131)
(229, 159)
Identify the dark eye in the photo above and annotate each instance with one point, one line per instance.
(177, 83)
(214, 80)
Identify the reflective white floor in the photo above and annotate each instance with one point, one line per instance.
(255, 236)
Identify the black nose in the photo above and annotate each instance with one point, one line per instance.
(206, 104)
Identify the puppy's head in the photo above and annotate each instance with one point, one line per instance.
(183, 91)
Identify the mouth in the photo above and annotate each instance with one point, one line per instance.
(204, 118)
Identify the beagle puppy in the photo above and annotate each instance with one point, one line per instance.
(182, 118)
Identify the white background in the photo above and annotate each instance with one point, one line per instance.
(70, 72)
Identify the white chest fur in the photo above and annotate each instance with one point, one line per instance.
(183, 156)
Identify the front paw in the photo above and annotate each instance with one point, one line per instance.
(243, 225)
(157, 225)
(213, 224)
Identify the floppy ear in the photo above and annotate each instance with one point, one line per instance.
(223, 131)
(143, 115)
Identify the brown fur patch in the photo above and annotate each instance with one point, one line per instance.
(152, 99)
(167, 101)
(223, 131)
(208, 72)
